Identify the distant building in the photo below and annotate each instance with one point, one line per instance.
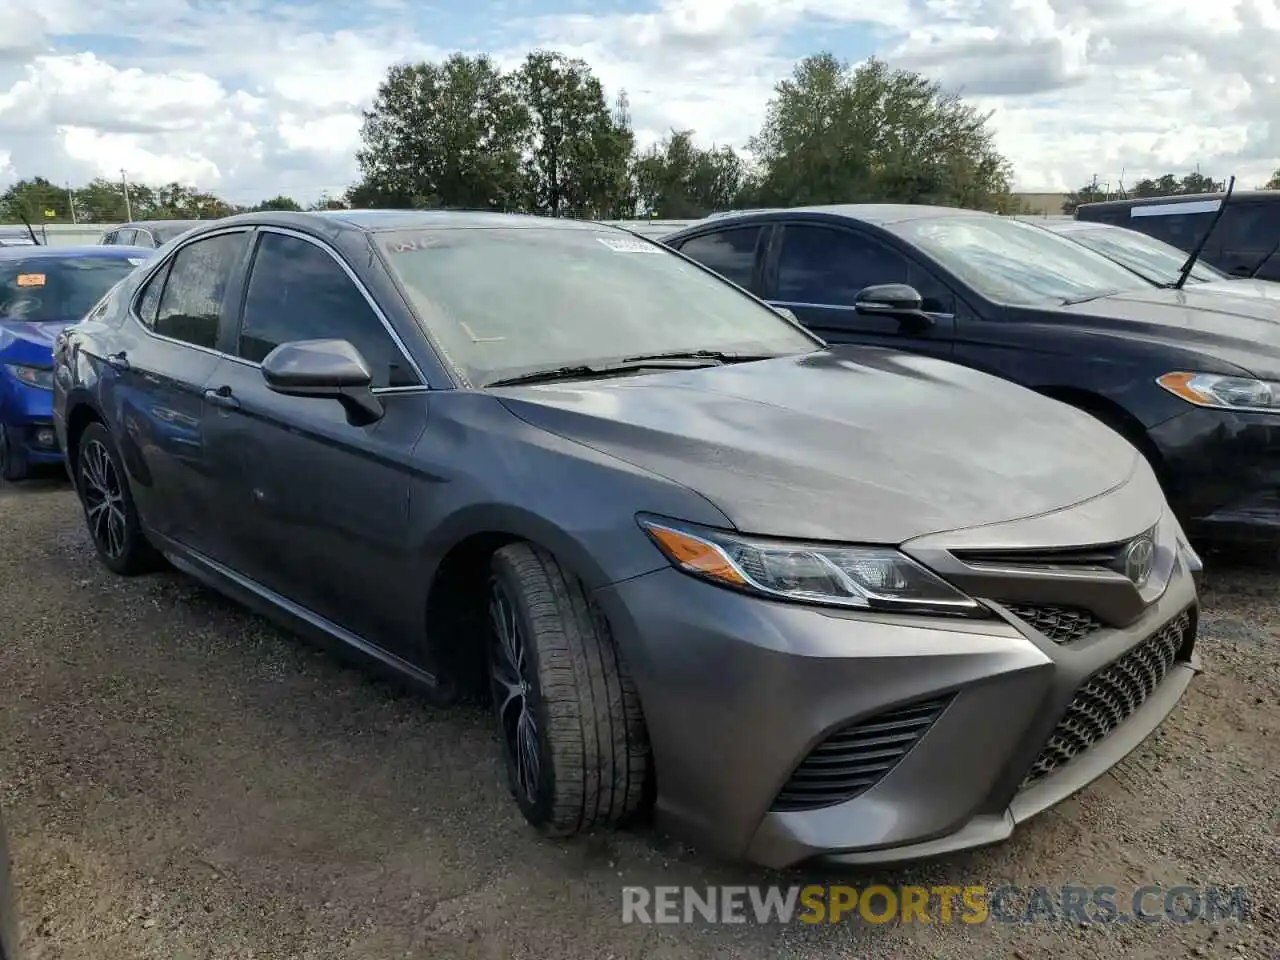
(1043, 203)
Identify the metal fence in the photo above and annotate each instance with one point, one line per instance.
(63, 234)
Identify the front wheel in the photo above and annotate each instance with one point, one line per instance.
(109, 510)
(568, 715)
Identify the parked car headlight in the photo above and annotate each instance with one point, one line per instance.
(865, 578)
(1223, 392)
(41, 377)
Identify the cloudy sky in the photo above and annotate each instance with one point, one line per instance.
(250, 98)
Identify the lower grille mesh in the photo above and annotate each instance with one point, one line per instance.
(854, 759)
(1111, 696)
(1059, 624)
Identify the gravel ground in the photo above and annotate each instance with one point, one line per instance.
(184, 780)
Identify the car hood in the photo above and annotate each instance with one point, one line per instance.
(868, 446)
(1239, 325)
(24, 341)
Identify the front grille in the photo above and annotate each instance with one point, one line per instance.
(1059, 624)
(1103, 556)
(1112, 695)
(857, 757)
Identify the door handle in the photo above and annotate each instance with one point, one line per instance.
(222, 397)
(118, 361)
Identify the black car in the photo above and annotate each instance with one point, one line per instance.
(1191, 378)
(147, 233)
(1243, 243)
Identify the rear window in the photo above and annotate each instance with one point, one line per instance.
(49, 289)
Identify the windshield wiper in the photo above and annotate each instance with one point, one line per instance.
(674, 361)
(1263, 262)
(1072, 301)
(1204, 238)
(710, 356)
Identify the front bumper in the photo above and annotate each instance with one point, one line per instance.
(27, 414)
(741, 695)
(1222, 473)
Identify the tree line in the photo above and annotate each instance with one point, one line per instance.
(543, 138)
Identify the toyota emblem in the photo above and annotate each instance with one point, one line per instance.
(1139, 557)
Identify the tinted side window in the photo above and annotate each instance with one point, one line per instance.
(299, 292)
(732, 253)
(149, 302)
(125, 237)
(1180, 229)
(1248, 226)
(823, 265)
(190, 307)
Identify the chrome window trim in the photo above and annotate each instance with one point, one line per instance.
(136, 317)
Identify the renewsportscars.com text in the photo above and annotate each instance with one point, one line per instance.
(815, 903)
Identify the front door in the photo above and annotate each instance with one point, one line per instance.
(819, 270)
(157, 382)
(317, 509)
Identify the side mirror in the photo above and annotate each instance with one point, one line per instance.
(891, 298)
(328, 369)
(787, 313)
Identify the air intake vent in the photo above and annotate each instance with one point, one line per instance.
(854, 759)
(1114, 694)
(1059, 624)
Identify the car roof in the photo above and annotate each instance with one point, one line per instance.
(1236, 196)
(76, 252)
(877, 214)
(378, 221)
(148, 224)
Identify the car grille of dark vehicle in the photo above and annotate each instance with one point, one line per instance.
(1113, 694)
(1059, 624)
(857, 757)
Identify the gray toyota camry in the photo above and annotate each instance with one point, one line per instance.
(863, 606)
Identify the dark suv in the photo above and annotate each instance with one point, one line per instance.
(1243, 244)
(1190, 378)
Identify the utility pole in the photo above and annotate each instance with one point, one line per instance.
(71, 204)
(128, 208)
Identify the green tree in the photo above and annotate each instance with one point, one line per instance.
(1092, 192)
(37, 199)
(676, 179)
(446, 134)
(577, 154)
(873, 133)
(280, 202)
(1171, 185)
(102, 200)
(1273, 183)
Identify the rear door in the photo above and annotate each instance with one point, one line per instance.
(157, 380)
(818, 269)
(314, 508)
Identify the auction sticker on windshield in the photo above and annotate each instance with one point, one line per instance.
(31, 279)
(628, 246)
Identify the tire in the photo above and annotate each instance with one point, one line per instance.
(555, 673)
(13, 465)
(110, 514)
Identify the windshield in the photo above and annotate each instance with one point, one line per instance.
(508, 301)
(1015, 263)
(1157, 261)
(44, 289)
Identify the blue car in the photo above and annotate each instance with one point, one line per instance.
(42, 289)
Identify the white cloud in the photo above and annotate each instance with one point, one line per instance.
(250, 99)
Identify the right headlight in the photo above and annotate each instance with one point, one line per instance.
(864, 578)
(1222, 391)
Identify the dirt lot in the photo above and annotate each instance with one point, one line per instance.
(183, 780)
